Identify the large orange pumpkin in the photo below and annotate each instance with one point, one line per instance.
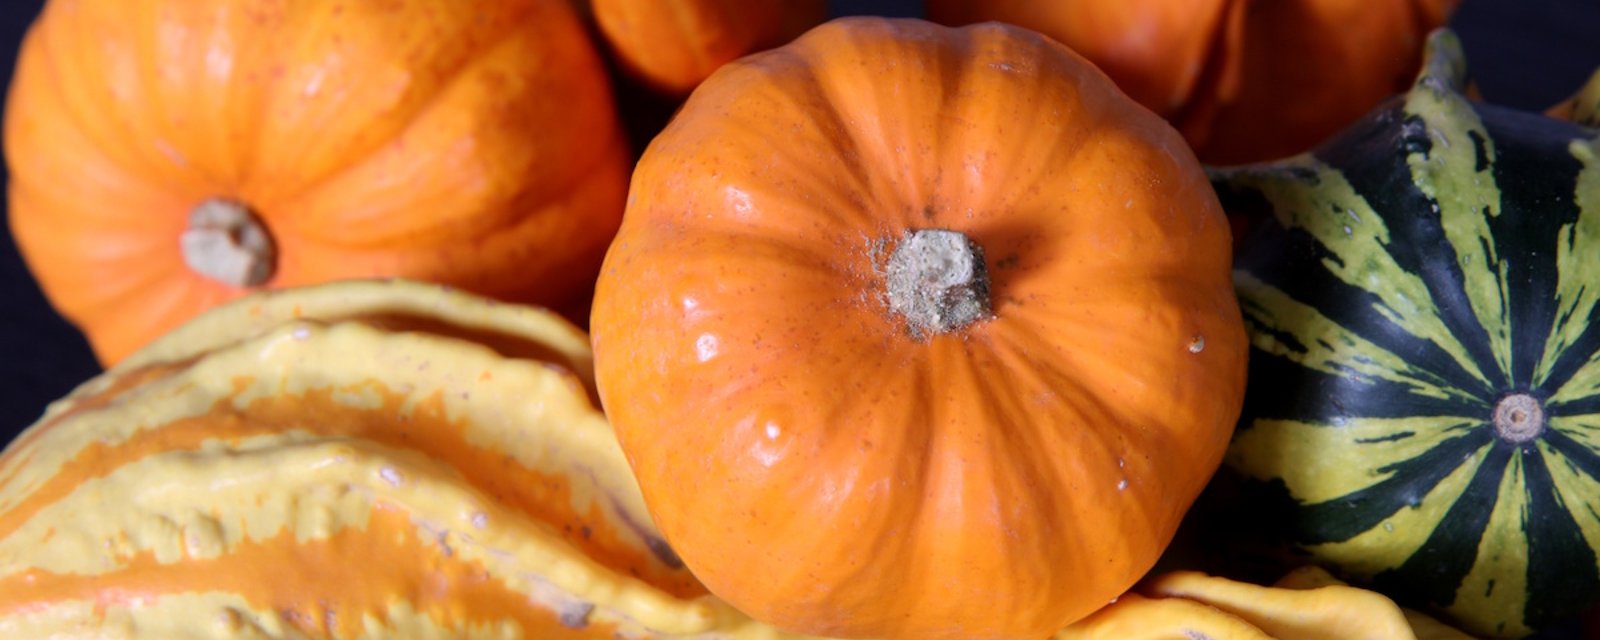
(1244, 80)
(672, 45)
(912, 331)
(168, 155)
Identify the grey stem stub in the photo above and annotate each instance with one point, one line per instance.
(937, 281)
(227, 242)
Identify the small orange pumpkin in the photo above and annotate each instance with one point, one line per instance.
(1244, 80)
(912, 331)
(672, 46)
(167, 156)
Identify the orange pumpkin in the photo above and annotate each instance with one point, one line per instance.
(1244, 80)
(913, 331)
(167, 156)
(672, 46)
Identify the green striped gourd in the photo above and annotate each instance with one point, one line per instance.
(1424, 400)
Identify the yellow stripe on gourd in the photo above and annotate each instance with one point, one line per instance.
(1500, 566)
(1574, 487)
(1341, 220)
(1319, 462)
(1577, 282)
(1397, 538)
(1329, 347)
(1466, 200)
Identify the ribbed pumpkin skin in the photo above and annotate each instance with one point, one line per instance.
(354, 460)
(827, 469)
(1244, 80)
(1425, 371)
(468, 143)
(673, 45)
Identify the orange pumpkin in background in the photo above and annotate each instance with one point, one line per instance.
(167, 156)
(1244, 80)
(672, 45)
(919, 332)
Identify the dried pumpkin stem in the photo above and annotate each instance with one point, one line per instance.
(937, 281)
(1518, 417)
(226, 242)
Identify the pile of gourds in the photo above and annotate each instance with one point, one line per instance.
(895, 330)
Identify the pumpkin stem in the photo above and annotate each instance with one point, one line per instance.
(937, 281)
(226, 242)
(1518, 418)
(1444, 63)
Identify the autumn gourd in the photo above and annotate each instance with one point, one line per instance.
(672, 46)
(1582, 107)
(1244, 80)
(912, 331)
(359, 459)
(1306, 604)
(168, 156)
(1421, 295)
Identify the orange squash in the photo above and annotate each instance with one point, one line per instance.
(672, 46)
(1244, 80)
(167, 156)
(843, 437)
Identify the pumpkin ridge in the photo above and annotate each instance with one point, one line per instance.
(64, 100)
(283, 204)
(503, 31)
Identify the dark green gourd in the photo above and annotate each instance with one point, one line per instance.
(1424, 399)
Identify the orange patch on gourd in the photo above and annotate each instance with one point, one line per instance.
(322, 586)
(426, 428)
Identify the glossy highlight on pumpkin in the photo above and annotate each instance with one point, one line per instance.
(829, 467)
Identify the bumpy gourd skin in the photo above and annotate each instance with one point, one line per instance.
(1306, 604)
(828, 467)
(358, 460)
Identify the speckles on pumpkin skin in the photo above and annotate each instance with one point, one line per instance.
(1191, 634)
